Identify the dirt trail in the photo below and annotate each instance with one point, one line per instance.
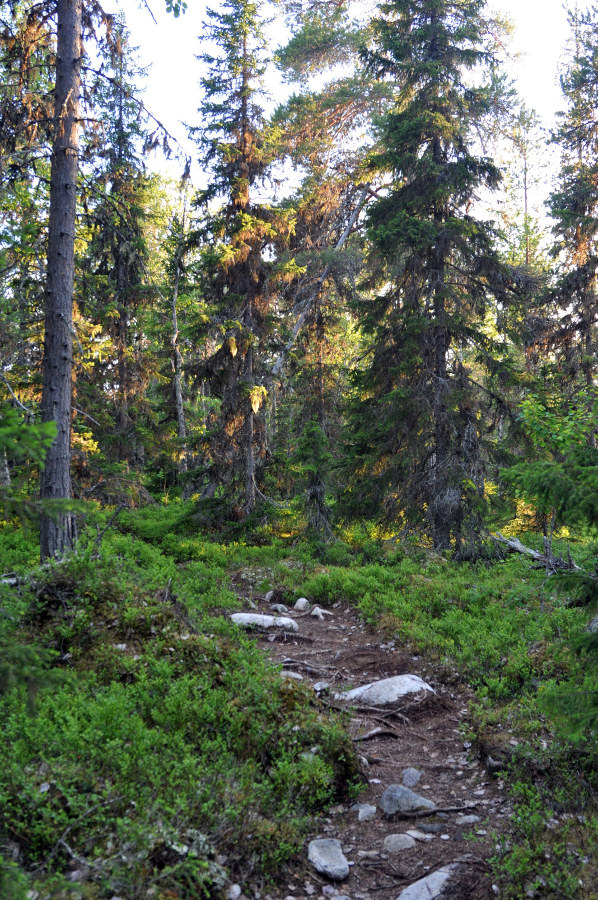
(426, 734)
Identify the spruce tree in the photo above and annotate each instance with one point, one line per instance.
(574, 207)
(237, 237)
(416, 420)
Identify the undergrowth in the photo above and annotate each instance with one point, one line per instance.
(149, 750)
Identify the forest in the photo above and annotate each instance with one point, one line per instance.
(353, 366)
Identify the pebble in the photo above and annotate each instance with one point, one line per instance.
(295, 675)
(411, 777)
(397, 843)
(269, 596)
(467, 820)
(327, 858)
(419, 836)
(399, 799)
(321, 686)
(302, 604)
(234, 892)
(429, 887)
(279, 608)
(365, 811)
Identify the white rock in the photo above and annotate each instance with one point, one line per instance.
(389, 690)
(294, 675)
(302, 604)
(234, 892)
(321, 686)
(327, 858)
(397, 843)
(269, 596)
(256, 620)
(429, 887)
(317, 613)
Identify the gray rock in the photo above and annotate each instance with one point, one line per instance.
(294, 675)
(467, 820)
(279, 608)
(317, 613)
(365, 811)
(269, 596)
(255, 620)
(234, 892)
(399, 799)
(431, 828)
(593, 626)
(411, 777)
(321, 686)
(389, 690)
(327, 858)
(398, 843)
(302, 604)
(428, 888)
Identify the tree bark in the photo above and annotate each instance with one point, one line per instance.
(58, 530)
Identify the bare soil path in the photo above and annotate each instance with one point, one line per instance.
(424, 732)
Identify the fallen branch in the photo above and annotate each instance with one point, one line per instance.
(547, 561)
(376, 733)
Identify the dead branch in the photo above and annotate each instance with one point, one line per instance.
(546, 560)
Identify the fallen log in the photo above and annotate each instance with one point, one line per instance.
(548, 561)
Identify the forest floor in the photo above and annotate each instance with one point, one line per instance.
(426, 733)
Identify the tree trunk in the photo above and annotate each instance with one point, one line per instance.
(58, 531)
(177, 359)
(4, 471)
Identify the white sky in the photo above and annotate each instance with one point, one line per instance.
(170, 47)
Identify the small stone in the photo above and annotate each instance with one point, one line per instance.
(279, 608)
(234, 892)
(399, 799)
(120, 646)
(467, 820)
(429, 887)
(411, 777)
(255, 620)
(327, 858)
(309, 888)
(321, 686)
(296, 676)
(431, 828)
(269, 596)
(365, 811)
(419, 836)
(302, 604)
(368, 854)
(398, 843)
(317, 613)
(44, 788)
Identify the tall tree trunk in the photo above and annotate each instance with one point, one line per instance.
(177, 359)
(250, 491)
(58, 532)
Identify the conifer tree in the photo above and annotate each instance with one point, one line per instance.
(574, 207)
(237, 237)
(114, 290)
(417, 450)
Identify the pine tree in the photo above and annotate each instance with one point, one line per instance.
(416, 419)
